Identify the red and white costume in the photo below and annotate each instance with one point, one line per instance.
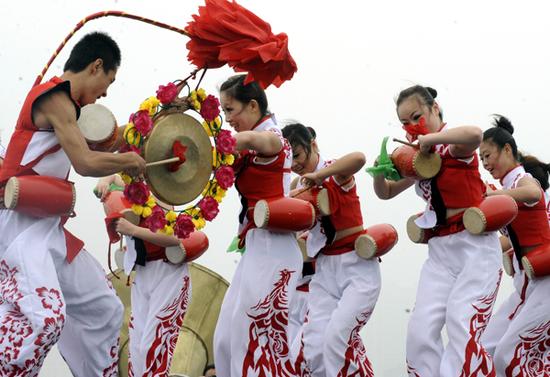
(459, 280)
(161, 293)
(251, 337)
(51, 289)
(343, 290)
(518, 335)
(298, 308)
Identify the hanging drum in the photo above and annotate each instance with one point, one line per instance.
(98, 125)
(411, 163)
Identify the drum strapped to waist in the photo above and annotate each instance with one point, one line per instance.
(536, 262)
(493, 213)
(411, 163)
(376, 241)
(284, 215)
(317, 196)
(99, 127)
(189, 248)
(40, 196)
(420, 235)
(508, 261)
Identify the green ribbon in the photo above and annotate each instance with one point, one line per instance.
(112, 187)
(234, 246)
(385, 165)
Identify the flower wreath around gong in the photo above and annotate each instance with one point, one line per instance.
(194, 217)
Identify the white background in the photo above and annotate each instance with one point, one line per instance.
(353, 58)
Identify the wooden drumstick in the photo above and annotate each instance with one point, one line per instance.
(406, 143)
(162, 162)
(300, 192)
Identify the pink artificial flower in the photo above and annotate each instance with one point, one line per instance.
(225, 142)
(143, 122)
(210, 108)
(225, 177)
(184, 226)
(157, 219)
(167, 93)
(129, 148)
(137, 192)
(209, 208)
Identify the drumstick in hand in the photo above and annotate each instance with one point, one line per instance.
(162, 162)
(406, 143)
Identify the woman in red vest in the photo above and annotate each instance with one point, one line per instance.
(345, 287)
(459, 280)
(251, 337)
(519, 333)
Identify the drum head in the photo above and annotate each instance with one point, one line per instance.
(96, 122)
(184, 185)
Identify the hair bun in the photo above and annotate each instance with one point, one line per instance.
(504, 123)
(432, 92)
(312, 132)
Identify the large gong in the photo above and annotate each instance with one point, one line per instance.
(188, 182)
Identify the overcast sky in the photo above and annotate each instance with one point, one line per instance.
(353, 58)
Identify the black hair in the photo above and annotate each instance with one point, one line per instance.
(236, 88)
(501, 134)
(538, 169)
(207, 368)
(94, 46)
(299, 135)
(425, 94)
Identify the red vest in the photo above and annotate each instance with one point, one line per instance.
(24, 131)
(344, 205)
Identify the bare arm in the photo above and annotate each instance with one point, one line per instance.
(266, 143)
(57, 110)
(386, 189)
(527, 191)
(463, 140)
(342, 169)
(128, 229)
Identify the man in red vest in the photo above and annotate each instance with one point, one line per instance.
(51, 289)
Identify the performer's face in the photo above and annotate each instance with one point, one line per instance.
(412, 109)
(497, 161)
(303, 163)
(98, 83)
(241, 116)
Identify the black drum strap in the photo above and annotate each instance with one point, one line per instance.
(515, 244)
(437, 203)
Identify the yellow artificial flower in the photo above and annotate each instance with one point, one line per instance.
(168, 230)
(201, 93)
(151, 202)
(147, 211)
(220, 193)
(196, 105)
(128, 127)
(218, 122)
(138, 210)
(215, 158)
(171, 216)
(199, 223)
(150, 104)
(193, 212)
(228, 159)
(193, 96)
(125, 178)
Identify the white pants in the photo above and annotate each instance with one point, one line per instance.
(343, 294)
(251, 337)
(519, 333)
(44, 300)
(457, 288)
(160, 296)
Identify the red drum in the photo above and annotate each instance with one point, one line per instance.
(117, 206)
(40, 196)
(98, 125)
(493, 213)
(537, 262)
(413, 164)
(317, 196)
(507, 261)
(189, 249)
(284, 215)
(377, 241)
(415, 233)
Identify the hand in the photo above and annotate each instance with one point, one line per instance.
(489, 188)
(101, 190)
(424, 144)
(125, 227)
(135, 164)
(311, 179)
